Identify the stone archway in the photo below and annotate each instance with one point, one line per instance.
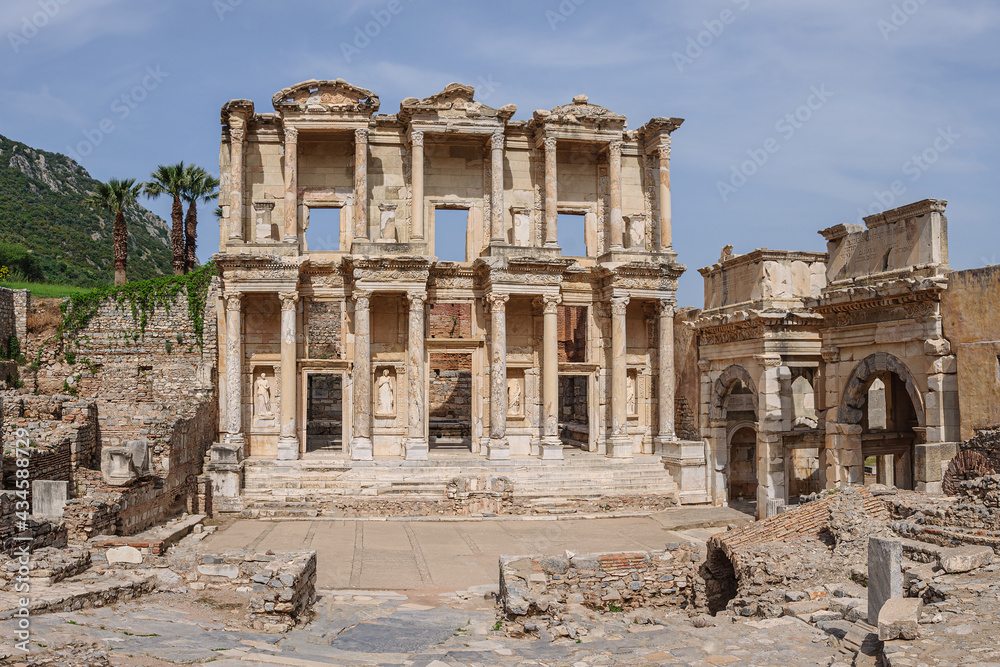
(856, 389)
(722, 386)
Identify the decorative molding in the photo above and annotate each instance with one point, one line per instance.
(288, 300)
(417, 138)
(497, 300)
(618, 305)
(234, 301)
(497, 141)
(361, 135)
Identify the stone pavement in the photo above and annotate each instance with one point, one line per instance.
(454, 555)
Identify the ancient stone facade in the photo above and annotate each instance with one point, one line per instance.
(825, 369)
(482, 343)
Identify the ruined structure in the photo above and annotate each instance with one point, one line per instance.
(347, 335)
(815, 363)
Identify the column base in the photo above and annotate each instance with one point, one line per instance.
(620, 447)
(498, 450)
(234, 439)
(361, 449)
(662, 444)
(415, 449)
(288, 448)
(551, 449)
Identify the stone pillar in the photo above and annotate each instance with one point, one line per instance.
(499, 448)
(615, 192)
(417, 186)
(665, 373)
(361, 442)
(496, 200)
(234, 369)
(551, 445)
(416, 440)
(551, 194)
(770, 448)
(291, 231)
(361, 185)
(237, 132)
(288, 441)
(619, 443)
(666, 242)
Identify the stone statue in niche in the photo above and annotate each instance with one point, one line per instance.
(513, 396)
(386, 395)
(635, 233)
(630, 394)
(262, 394)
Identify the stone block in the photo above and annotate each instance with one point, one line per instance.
(857, 613)
(227, 571)
(900, 618)
(885, 576)
(773, 507)
(805, 607)
(48, 498)
(964, 559)
(927, 462)
(125, 554)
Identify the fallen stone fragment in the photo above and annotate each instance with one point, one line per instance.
(124, 554)
(964, 559)
(899, 618)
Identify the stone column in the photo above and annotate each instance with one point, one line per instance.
(615, 192)
(234, 368)
(665, 373)
(666, 243)
(496, 200)
(288, 441)
(499, 448)
(551, 194)
(619, 443)
(361, 442)
(417, 186)
(291, 231)
(551, 445)
(416, 440)
(361, 185)
(770, 448)
(237, 132)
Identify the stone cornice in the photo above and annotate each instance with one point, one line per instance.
(879, 295)
(764, 255)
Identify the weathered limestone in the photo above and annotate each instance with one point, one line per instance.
(619, 444)
(497, 142)
(48, 498)
(965, 559)
(885, 575)
(551, 194)
(361, 185)
(615, 192)
(237, 134)
(666, 215)
(234, 368)
(416, 441)
(417, 185)
(361, 443)
(899, 618)
(665, 377)
(288, 442)
(551, 447)
(291, 228)
(499, 447)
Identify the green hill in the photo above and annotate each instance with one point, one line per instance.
(42, 209)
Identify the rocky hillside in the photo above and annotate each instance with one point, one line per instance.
(42, 209)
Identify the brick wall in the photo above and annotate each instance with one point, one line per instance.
(450, 320)
(449, 396)
(572, 331)
(323, 329)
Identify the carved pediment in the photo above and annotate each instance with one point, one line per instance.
(326, 96)
(455, 101)
(581, 113)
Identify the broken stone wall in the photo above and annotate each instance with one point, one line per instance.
(31, 533)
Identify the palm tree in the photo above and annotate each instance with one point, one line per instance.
(170, 180)
(199, 184)
(114, 197)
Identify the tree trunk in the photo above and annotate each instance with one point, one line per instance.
(177, 236)
(190, 235)
(120, 247)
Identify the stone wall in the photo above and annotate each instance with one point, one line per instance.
(617, 581)
(41, 534)
(22, 304)
(323, 320)
(449, 394)
(7, 319)
(449, 320)
(282, 586)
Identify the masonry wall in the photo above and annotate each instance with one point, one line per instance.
(968, 309)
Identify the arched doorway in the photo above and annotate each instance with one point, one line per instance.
(881, 396)
(743, 465)
(734, 405)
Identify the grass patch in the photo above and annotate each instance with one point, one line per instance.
(47, 290)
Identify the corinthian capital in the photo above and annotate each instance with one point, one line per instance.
(234, 301)
(291, 135)
(361, 299)
(497, 141)
(663, 150)
(416, 299)
(550, 143)
(417, 138)
(618, 304)
(550, 303)
(288, 300)
(361, 135)
(497, 300)
(665, 307)
(615, 149)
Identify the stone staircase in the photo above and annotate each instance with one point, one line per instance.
(290, 488)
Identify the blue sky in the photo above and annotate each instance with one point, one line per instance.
(799, 115)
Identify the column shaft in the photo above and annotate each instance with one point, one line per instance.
(551, 194)
(499, 448)
(288, 441)
(496, 172)
(619, 444)
(236, 136)
(665, 212)
(234, 368)
(291, 231)
(615, 193)
(665, 378)
(416, 441)
(361, 185)
(551, 445)
(361, 442)
(417, 186)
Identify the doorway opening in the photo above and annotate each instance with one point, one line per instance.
(571, 232)
(325, 413)
(451, 227)
(574, 420)
(323, 232)
(743, 466)
(449, 402)
(887, 436)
